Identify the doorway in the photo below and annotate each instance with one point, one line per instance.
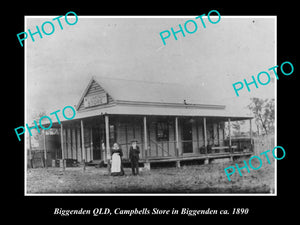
(98, 138)
(187, 137)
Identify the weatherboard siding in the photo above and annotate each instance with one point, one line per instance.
(95, 89)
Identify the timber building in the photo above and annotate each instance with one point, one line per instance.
(170, 122)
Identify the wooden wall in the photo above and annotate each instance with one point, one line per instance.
(133, 129)
(128, 128)
(72, 143)
(161, 148)
(94, 89)
(127, 131)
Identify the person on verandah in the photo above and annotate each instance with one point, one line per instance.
(134, 152)
(116, 160)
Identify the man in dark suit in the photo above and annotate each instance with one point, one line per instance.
(134, 152)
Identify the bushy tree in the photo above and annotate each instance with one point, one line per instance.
(36, 116)
(236, 125)
(264, 114)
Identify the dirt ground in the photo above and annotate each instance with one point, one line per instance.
(209, 178)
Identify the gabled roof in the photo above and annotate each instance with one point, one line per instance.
(137, 91)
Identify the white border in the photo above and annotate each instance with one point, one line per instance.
(145, 194)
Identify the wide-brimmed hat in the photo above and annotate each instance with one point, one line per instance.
(134, 140)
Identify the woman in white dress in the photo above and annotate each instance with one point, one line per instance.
(116, 160)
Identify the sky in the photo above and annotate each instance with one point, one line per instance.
(59, 66)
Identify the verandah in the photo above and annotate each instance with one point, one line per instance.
(159, 137)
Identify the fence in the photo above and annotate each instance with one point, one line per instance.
(264, 143)
(37, 159)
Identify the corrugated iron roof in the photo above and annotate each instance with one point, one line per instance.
(149, 91)
(158, 111)
(133, 97)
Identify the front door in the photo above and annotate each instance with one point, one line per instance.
(98, 137)
(186, 137)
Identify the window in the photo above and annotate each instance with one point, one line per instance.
(162, 131)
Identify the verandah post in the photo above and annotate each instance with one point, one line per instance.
(45, 150)
(126, 140)
(205, 134)
(145, 137)
(205, 139)
(62, 146)
(176, 136)
(92, 147)
(197, 135)
(79, 153)
(177, 142)
(69, 141)
(229, 133)
(29, 149)
(251, 146)
(147, 163)
(218, 129)
(82, 144)
(107, 142)
(73, 143)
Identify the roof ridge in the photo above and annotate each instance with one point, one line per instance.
(142, 81)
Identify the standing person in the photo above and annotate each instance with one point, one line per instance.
(102, 153)
(134, 152)
(116, 161)
(102, 149)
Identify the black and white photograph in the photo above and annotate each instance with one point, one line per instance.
(151, 105)
(126, 114)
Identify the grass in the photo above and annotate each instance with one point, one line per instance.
(209, 178)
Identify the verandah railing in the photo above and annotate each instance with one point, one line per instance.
(168, 148)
